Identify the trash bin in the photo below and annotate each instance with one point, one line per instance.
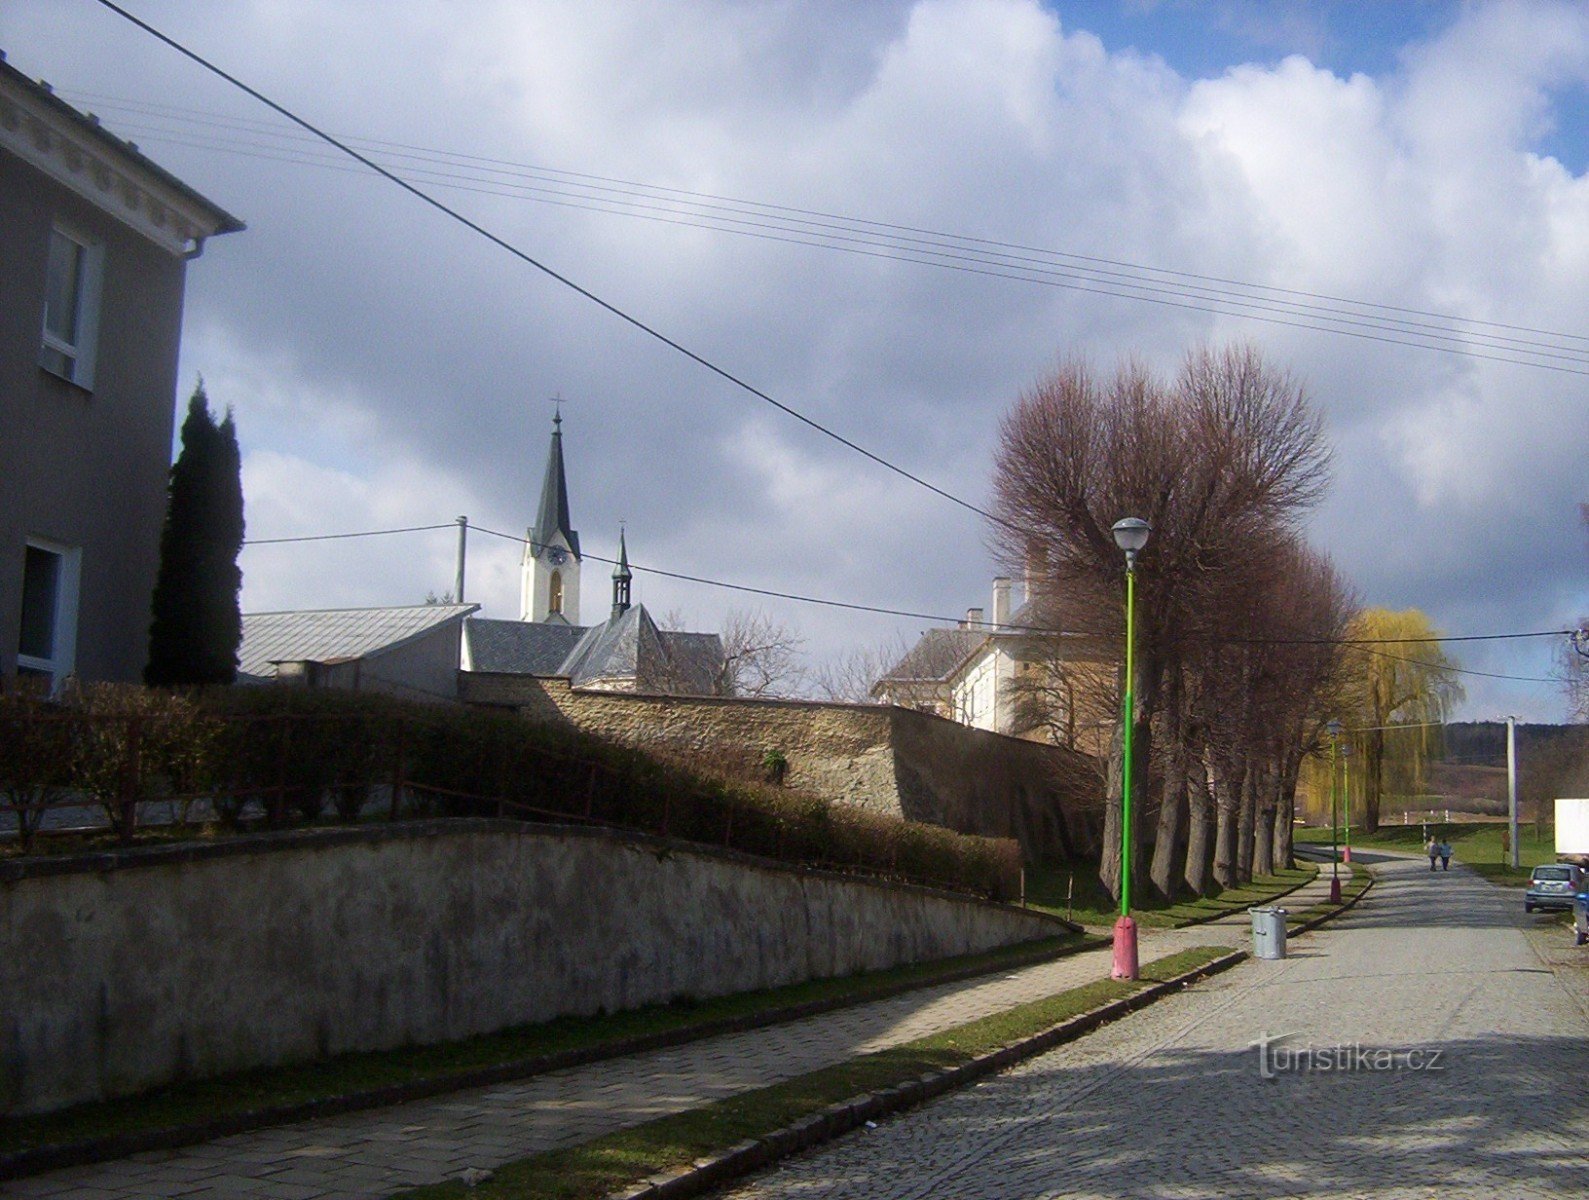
(1580, 918)
(1268, 931)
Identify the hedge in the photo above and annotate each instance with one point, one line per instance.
(303, 755)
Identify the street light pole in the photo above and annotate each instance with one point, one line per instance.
(1335, 826)
(1130, 534)
(1346, 800)
(1511, 788)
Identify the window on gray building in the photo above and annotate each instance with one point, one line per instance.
(47, 641)
(71, 307)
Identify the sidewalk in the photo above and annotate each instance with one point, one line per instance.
(373, 1154)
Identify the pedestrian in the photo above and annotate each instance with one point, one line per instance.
(1445, 856)
(1433, 851)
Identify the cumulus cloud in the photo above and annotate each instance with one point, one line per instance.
(388, 368)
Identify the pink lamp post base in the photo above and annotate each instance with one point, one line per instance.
(1125, 964)
(1346, 854)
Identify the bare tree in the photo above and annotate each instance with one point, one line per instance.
(1222, 462)
(762, 656)
(850, 677)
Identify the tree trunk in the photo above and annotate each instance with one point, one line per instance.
(1227, 804)
(1172, 802)
(1109, 852)
(1286, 816)
(1246, 823)
(1263, 857)
(1200, 824)
(1373, 777)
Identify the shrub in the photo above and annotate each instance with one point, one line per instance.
(35, 759)
(298, 749)
(131, 745)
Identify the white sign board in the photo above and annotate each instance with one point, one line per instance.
(1572, 826)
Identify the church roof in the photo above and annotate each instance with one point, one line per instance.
(628, 647)
(337, 634)
(552, 517)
(518, 647)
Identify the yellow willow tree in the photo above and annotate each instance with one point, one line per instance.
(1396, 675)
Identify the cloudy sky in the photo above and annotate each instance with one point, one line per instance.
(761, 180)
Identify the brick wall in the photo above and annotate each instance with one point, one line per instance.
(886, 759)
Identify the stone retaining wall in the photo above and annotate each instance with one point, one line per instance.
(124, 971)
(879, 757)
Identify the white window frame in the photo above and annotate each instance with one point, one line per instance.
(80, 354)
(63, 657)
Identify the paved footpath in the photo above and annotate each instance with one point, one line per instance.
(1482, 1089)
(373, 1154)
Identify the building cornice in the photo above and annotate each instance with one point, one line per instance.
(72, 149)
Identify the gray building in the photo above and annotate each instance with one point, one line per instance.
(410, 651)
(94, 245)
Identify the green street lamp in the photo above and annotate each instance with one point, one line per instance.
(1334, 728)
(1346, 801)
(1131, 534)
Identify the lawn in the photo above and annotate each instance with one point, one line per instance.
(1057, 889)
(1477, 844)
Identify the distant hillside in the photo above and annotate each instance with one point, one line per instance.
(1483, 743)
(1469, 788)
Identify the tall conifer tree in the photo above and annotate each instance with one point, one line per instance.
(197, 624)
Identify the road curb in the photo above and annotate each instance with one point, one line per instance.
(21, 1163)
(1212, 917)
(847, 1115)
(1313, 923)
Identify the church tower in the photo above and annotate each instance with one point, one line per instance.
(549, 580)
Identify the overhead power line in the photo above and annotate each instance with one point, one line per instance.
(1361, 644)
(530, 260)
(1448, 668)
(1297, 308)
(331, 537)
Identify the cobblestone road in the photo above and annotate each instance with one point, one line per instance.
(1173, 1102)
(373, 1154)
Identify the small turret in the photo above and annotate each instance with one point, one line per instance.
(621, 578)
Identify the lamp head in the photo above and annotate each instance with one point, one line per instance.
(1334, 728)
(1131, 534)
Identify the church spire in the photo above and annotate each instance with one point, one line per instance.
(620, 579)
(549, 573)
(552, 517)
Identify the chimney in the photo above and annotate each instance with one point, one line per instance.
(1001, 601)
(973, 618)
(1036, 560)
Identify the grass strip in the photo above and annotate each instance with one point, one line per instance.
(597, 1168)
(1480, 845)
(1091, 904)
(199, 1104)
(1351, 888)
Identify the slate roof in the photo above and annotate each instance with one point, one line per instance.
(518, 647)
(696, 660)
(935, 656)
(336, 634)
(552, 517)
(628, 648)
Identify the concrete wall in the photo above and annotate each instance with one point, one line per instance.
(123, 971)
(879, 757)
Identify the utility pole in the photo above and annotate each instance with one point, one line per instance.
(463, 539)
(1511, 786)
